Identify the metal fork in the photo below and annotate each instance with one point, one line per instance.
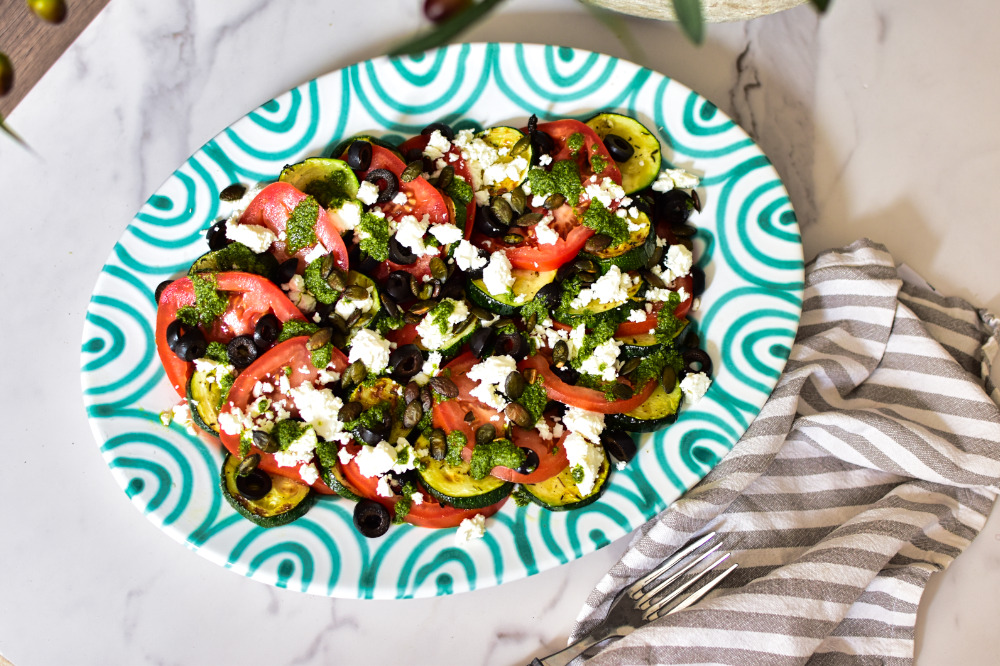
(635, 605)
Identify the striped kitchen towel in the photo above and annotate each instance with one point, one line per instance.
(874, 463)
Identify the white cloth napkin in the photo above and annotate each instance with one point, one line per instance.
(873, 464)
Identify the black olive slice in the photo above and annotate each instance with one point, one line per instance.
(541, 142)
(400, 254)
(697, 281)
(619, 149)
(159, 290)
(242, 351)
(175, 330)
(386, 177)
(371, 518)
(674, 207)
(446, 130)
(488, 224)
(369, 436)
(551, 295)
(359, 155)
(405, 362)
(619, 444)
(255, 485)
(398, 284)
(511, 344)
(266, 331)
(530, 463)
(216, 236)
(286, 271)
(696, 360)
(481, 341)
(191, 345)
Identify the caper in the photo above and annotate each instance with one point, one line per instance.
(597, 243)
(319, 339)
(502, 210)
(356, 293)
(439, 269)
(390, 305)
(350, 411)
(518, 200)
(513, 239)
(653, 279)
(514, 385)
(229, 193)
(412, 171)
(518, 415)
(445, 177)
(439, 444)
(355, 374)
(560, 353)
(528, 220)
(622, 391)
(629, 366)
(265, 441)
(412, 415)
(52, 11)
(668, 379)
(411, 393)
(486, 433)
(444, 386)
(248, 464)
(554, 200)
(523, 144)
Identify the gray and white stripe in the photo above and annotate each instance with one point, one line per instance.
(874, 463)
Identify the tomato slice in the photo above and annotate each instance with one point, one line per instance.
(582, 397)
(402, 336)
(628, 328)
(562, 130)
(250, 298)
(294, 356)
(273, 206)
(534, 256)
(428, 513)
(454, 158)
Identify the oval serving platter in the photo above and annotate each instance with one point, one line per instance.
(748, 244)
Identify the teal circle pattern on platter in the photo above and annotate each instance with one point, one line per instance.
(748, 244)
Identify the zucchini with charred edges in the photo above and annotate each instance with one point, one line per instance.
(641, 167)
(560, 493)
(454, 485)
(660, 409)
(268, 500)
(527, 283)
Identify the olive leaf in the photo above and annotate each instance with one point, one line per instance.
(447, 29)
(689, 16)
(11, 133)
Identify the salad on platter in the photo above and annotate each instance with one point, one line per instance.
(432, 329)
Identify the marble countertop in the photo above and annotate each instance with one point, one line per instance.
(880, 117)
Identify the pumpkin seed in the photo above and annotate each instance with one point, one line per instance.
(319, 339)
(656, 257)
(683, 230)
(481, 313)
(356, 293)
(415, 285)
(560, 353)
(514, 386)
(411, 318)
(355, 374)
(350, 412)
(265, 441)
(462, 324)
(412, 415)
(513, 239)
(422, 307)
(232, 192)
(439, 444)
(248, 464)
(528, 220)
(669, 379)
(439, 269)
(518, 415)
(354, 318)
(445, 177)
(518, 200)
(411, 393)
(337, 322)
(586, 265)
(444, 386)
(587, 278)
(530, 375)
(502, 210)
(337, 280)
(532, 321)
(653, 279)
(597, 243)
(426, 291)
(629, 366)
(696, 200)
(622, 391)
(554, 200)
(426, 398)
(412, 171)
(522, 145)
(486, 434)
(390, 305)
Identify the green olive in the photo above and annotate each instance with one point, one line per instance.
(6, 74)
(52, 11)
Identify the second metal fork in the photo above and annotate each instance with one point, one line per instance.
(635, 605)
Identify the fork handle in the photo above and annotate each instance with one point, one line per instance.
(571, 652)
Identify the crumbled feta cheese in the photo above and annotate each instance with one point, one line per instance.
(298, 294)
(637, 315)
(467, 257)
(255, 237)
(232, 421)
(315, 253)
(429, 328)
(367, 192)
(471, 529)
(446, 233)
(437, 145)
(382, 488)
(679, 260)
(557, 430)
(538, 200)
(344, 456)
(606, 191)
(544, 160)
(668, 179)
(545, 234)
(612, 287)
(181, 415)
(349, 214)
(299, 451)
(588, 425)
(309, 473)
(417, 498)
(588, 456)
(410, 233)
(371, 349)
(491, 375)
(376, 460)
(544, 431)
(497, 275)
(602, 361)
(432, 364)
(695, 385)
(346, 307)
(320, 408)
(661, 241)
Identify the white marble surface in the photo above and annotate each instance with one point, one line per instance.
(881, 117)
